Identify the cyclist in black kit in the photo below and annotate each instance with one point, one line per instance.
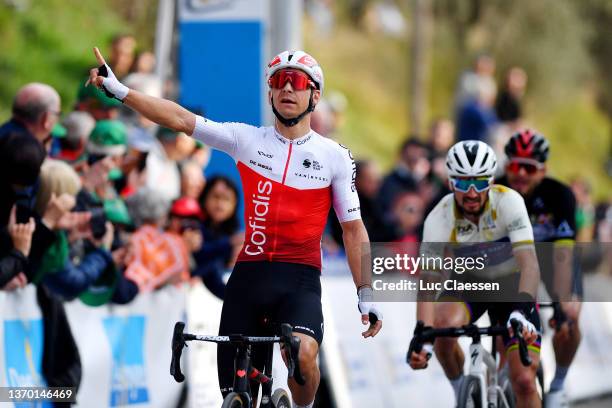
(552, 209)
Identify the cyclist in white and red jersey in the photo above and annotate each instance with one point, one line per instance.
(290, 177)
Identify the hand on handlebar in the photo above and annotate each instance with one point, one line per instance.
(529, 332)
(420, 360)
(420, 349)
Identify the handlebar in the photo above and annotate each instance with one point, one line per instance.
(426, 334)
(287, 341)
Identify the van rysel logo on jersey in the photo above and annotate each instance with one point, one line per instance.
(269, 156)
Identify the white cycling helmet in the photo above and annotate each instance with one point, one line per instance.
(297, 60)
(471, 158)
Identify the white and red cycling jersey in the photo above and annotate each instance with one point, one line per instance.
(288, 185)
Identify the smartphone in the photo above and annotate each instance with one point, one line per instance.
(22, 215)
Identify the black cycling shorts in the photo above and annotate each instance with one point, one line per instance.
(260, 296)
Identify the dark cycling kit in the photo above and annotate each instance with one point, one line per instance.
(552, 212)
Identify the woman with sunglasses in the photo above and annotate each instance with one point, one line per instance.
(291, 176)
(479, 219)
(552, 208)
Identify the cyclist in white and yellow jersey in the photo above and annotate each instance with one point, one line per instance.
(476, 212)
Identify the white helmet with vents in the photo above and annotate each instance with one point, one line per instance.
(471, 158)
(297, 60)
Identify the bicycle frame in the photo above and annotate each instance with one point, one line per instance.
(484, 366)
(244, 372)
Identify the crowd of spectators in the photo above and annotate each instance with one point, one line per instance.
(101, 204)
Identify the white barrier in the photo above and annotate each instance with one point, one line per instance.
(125, 350)
(21, 339)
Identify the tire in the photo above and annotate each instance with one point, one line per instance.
(469, 393)
(233, 400)
(280, 399)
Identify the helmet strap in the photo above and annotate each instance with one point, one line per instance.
(290, 122)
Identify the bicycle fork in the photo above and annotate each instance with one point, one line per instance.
(484, 366)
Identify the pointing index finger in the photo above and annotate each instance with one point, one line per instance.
(99, 56)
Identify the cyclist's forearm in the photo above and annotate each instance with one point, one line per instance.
(530, 270)
(354, 236)
(563, 264)
(425, 312)
(161, 111)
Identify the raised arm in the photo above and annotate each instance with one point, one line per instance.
(161, 111)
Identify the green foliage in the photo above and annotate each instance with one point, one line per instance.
(552, 40)
(51, 41)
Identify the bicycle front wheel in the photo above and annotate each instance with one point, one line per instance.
(233, 400)
(280, 399)
(469, 393)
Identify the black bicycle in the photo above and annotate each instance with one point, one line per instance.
(244, 372)
(484, 386)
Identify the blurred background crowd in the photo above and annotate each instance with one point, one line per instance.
(100, 204)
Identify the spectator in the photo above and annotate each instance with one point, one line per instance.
(20, 159)
(36, 109)
(121, 59)
(92, 100)
(192, 179)
(153, 260)
(162, 171)
(367, 182)
(322, 120)
(184, 225)
(412, 168)
(441, 138)
(585, 210)
(222, 241)
(63, 270)
(14, 263)
(471, 82)
(144, 63)
(476, 117)
(408, 212)
(71, 147)
(508, 104)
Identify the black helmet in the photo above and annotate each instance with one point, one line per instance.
(527, 144)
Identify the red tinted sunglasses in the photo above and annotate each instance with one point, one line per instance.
(530, 167)
(299, 80)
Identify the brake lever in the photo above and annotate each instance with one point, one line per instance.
(291, 344)
(416, 344)
(558, 315)
(517, 328)
(178, 342)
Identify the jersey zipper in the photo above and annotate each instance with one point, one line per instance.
(280, 199)
(287, 163)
